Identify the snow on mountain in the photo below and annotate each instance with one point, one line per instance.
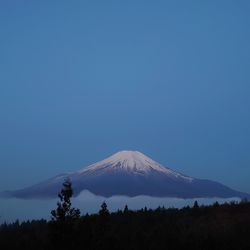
(132, 162)
(129, 173)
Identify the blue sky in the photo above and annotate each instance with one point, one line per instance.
(80, 80)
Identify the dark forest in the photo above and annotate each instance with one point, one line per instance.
(225, 226)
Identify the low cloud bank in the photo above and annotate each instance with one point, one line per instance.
(12, 209)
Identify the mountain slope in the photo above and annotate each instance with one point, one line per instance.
(129, 173)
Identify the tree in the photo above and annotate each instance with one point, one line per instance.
(244, 201)
(196, 205)
(104, 209)
(216, 204)
(125, 210)
(64, 211)
(62, 228)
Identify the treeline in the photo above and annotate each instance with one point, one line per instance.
(225, 226)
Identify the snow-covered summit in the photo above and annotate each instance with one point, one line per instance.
(133, 162)
(129, 173)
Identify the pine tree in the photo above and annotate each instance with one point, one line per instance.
(62, 227)
(216, 204)
(104, 209)
(196, 205)
(125, 210)
(64, 210)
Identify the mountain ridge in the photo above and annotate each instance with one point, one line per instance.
(130, 173)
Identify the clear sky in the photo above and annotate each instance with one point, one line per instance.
(81, 80)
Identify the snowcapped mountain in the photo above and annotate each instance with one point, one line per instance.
(129, 173)
(132, 162)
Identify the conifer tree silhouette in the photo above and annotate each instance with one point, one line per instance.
(64, 211)
(64, 218)
(104, 209)
(196, 205)
(125, 210)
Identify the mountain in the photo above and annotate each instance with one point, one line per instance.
(129, 173)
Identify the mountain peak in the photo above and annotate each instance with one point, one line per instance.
(129, 173)
(126, 154)
(133, 162)
(129, 156)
